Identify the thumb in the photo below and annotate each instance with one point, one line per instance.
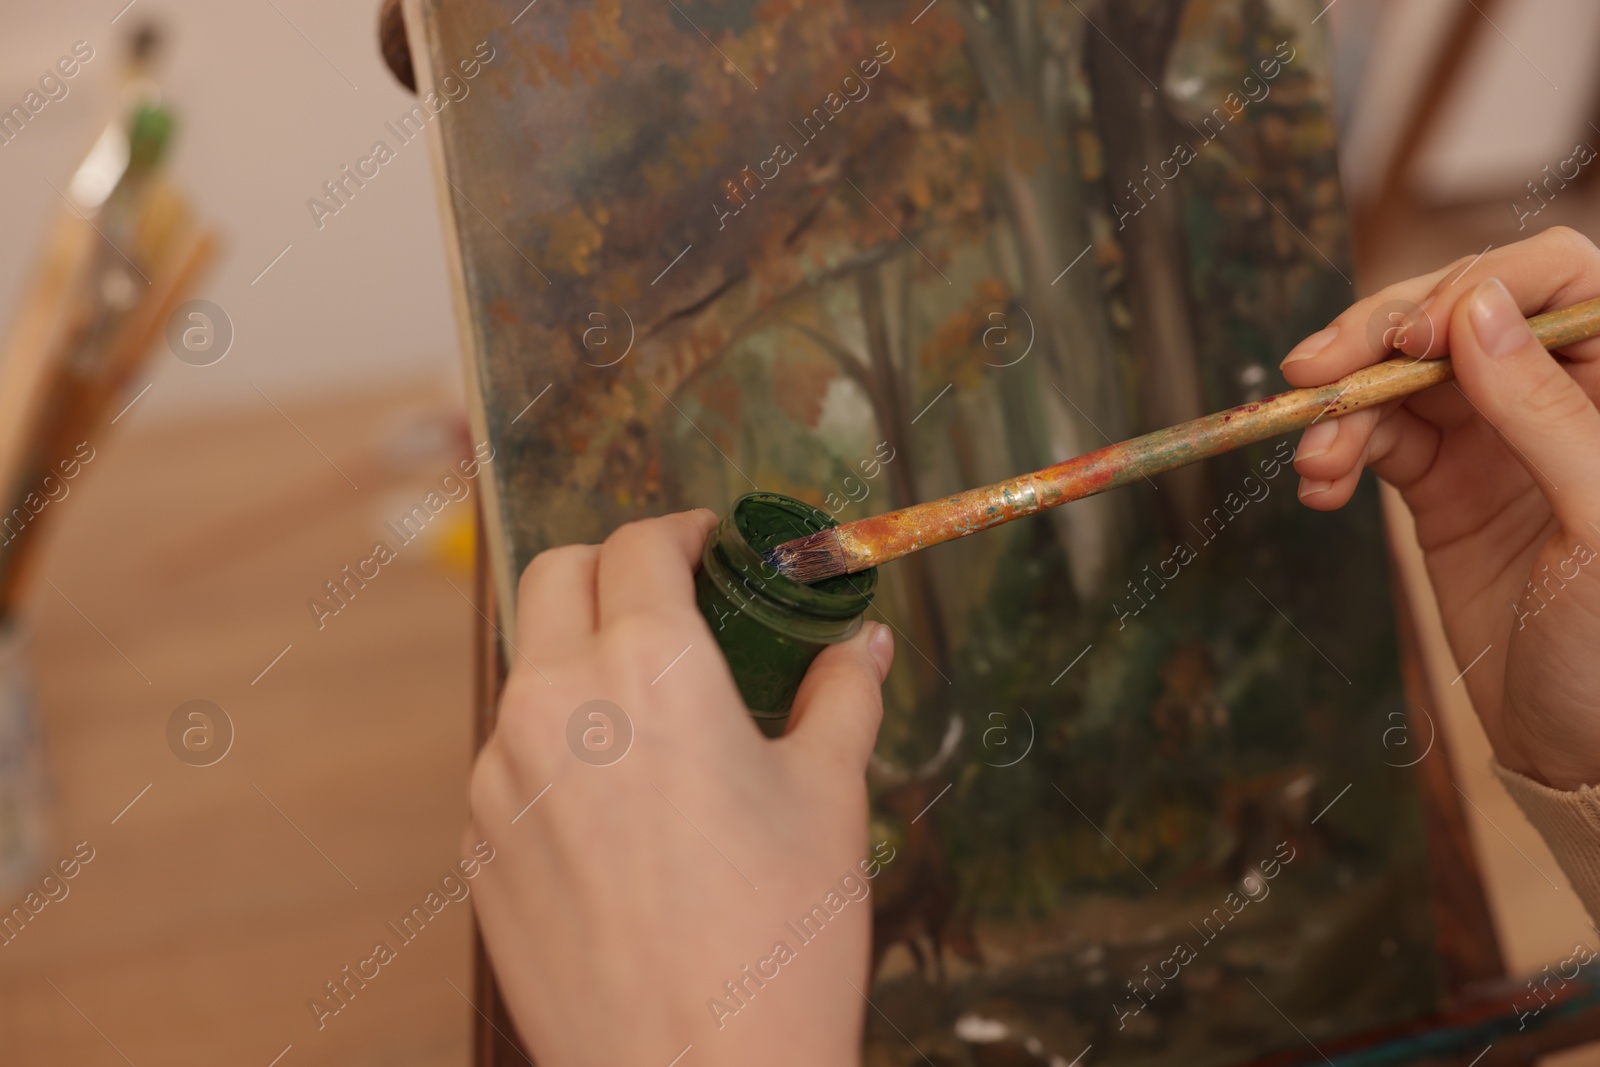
(840, 702)
(1527, 395)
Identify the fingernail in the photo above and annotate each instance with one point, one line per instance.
(1311, 487)
(1317, 439)
(1497, 321)
(880, 643)
(1311, 346)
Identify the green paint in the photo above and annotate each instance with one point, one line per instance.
(769, 628)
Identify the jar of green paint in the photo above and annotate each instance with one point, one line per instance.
(771, 628)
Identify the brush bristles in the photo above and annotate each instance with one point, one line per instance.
(808, 559)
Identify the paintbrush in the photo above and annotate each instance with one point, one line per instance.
(865, 543)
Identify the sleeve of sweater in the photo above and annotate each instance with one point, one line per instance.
(1570, 825)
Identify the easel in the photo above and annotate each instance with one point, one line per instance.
(493, 1034)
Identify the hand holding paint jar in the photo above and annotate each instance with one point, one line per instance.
(647, 873)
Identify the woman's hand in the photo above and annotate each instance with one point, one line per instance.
(1502, 470)
(627, 893)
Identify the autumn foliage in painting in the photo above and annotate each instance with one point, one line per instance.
(766, 243)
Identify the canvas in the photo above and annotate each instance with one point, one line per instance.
(1146, 766)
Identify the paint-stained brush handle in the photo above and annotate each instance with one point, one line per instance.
(865, 543)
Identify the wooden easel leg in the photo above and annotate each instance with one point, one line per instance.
(494, 1042)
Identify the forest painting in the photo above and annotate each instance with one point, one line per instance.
(1139, 760)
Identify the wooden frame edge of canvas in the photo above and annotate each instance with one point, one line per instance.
(419, 37)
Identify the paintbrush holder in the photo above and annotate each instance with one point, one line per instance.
(769, 627)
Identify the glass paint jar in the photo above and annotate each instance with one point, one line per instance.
(769, 627)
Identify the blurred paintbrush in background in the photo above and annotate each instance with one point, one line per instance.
(124, 252)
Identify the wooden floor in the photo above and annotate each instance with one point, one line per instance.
(225, 897)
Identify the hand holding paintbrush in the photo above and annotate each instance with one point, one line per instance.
(865, 543)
